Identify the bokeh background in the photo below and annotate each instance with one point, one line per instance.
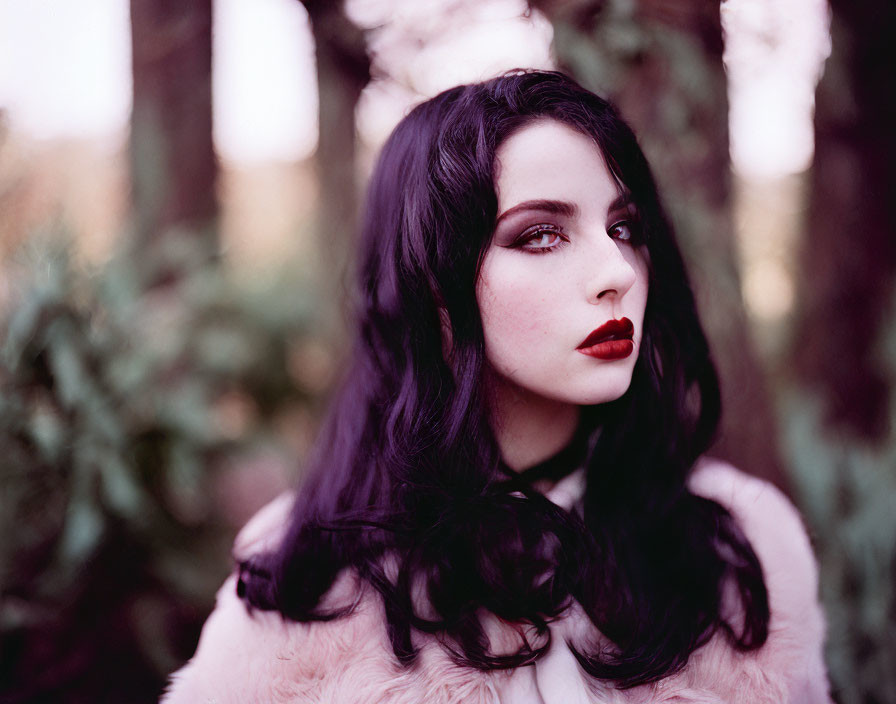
(179, 186)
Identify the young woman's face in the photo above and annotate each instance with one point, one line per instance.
(563, 285)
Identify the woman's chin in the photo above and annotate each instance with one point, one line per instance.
(609, 389)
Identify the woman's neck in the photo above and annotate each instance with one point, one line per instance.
(530, 428)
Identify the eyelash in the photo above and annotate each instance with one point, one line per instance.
(540, 230)
(632, 231)
(535, 231)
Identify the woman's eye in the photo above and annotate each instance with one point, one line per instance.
(544, 240)
(541, 239)
(624, 231)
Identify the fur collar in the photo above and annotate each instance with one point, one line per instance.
(259, 657)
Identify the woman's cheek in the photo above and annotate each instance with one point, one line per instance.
(517, 319)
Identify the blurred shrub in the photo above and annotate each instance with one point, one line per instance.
(130, 403)
(847, 491)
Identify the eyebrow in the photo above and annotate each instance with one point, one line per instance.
(560, 207)
(555, 207)
(622, 202)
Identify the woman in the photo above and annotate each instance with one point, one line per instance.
(509, 501)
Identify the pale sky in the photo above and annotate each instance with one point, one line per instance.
(264, 85)
(64, 70)
(774, 53)
(65, 66)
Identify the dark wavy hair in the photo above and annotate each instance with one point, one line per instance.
(407, 471)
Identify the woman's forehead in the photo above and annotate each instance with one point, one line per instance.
(548, 159)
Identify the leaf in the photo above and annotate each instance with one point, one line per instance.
(82, 533)
(69, 372)
(48, 433)
(121, 492)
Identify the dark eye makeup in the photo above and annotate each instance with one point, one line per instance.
(625, 231)
(546, 237)
(532, 238)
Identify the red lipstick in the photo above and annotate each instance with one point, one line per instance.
(612, 340)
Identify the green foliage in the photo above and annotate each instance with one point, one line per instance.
(117, 427)
(847, 491)
(603, 51)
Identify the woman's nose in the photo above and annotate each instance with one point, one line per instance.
(611, 273)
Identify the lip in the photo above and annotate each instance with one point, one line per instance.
(612, 340)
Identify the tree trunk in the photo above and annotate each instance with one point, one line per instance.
(660, 62)
(173, 164)
(343, 70)
(841, 440)
(849, 258)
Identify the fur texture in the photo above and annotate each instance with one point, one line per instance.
(259, 657)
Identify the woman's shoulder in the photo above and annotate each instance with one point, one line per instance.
(265, 529)
(722, 481)
(777, 534)
(255, 656)
(768, 518)
(248, 655)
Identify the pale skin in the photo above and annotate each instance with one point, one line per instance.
(564, 260)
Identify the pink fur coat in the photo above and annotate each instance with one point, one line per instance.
(259, 657)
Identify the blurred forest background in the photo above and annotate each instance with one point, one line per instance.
(172, 286)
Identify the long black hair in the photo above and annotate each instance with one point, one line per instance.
(407, 471)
